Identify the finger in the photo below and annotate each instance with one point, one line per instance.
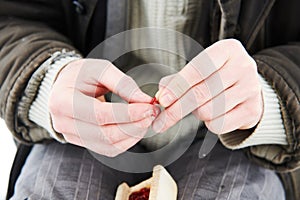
(108, 134)
(89, 109)
(123, 146)
(114, 149)
(195, 97)
(163, 83)
(117, 132)
(201, 67)
(73, 139)
(170, 116)
(243, 116)
(103, 148)
(222, 103)
(105, 73)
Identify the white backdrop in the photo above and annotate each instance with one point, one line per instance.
(7, 152)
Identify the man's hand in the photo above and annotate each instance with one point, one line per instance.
(79, 113)
(224, 92)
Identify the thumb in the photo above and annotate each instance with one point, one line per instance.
(163, 84)
(123, 85)
(103, 72)
(130, 91)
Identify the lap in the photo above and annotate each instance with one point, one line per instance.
(223, 174)
(63, 171)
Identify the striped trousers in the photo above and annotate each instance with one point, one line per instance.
(63, 171)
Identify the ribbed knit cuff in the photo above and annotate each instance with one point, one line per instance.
(39, 111)
(269, 130)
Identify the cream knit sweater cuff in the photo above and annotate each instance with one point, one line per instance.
(269, 130)
(39, 111)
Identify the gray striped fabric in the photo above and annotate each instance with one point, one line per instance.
(61, 171)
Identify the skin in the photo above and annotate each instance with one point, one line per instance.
(236, 103)
(83, 117)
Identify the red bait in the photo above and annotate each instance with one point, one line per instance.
(143, 194)
(154, 101)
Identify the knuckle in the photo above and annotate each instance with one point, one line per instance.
(106, 63)
(198, 115)
(72, 140)
(127, 86)
(256, 112)
(56, 103)
(52, 104)
(201, 93)
(172, 116)
(174, 89)
(94, 62)
(111, 152)
(55, 125)
(178, 86)
(107, 137)
(101, 118)
(231, 42)
(101, 150)
(204, 113)
(92, 67)
(252, 63)
(234, 43)
(68, 138)
(127, 81)
(164, 81)
(254, 90)
(133, 112)
(253, 111)
(146, 123)
(58, 126)
(75, 64)
(257, 90)
(250, 66)
(210, 127)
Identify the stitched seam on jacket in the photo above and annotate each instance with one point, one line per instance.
(31, 63)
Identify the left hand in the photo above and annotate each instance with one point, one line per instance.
(79, 111)
(220, 86)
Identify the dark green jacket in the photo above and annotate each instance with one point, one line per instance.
(31, 30)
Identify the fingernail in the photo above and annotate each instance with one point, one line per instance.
(158, 126)
(156, 111)
(166, 100)
(149, 113)
(157, 94)
(153, 118)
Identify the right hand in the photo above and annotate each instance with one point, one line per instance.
(79, 114)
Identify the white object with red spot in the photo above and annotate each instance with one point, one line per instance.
(162, 186)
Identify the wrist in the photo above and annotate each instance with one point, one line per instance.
(269, 130)
(35, 102)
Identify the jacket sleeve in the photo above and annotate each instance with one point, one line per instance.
(24, 46)
(280, 66)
